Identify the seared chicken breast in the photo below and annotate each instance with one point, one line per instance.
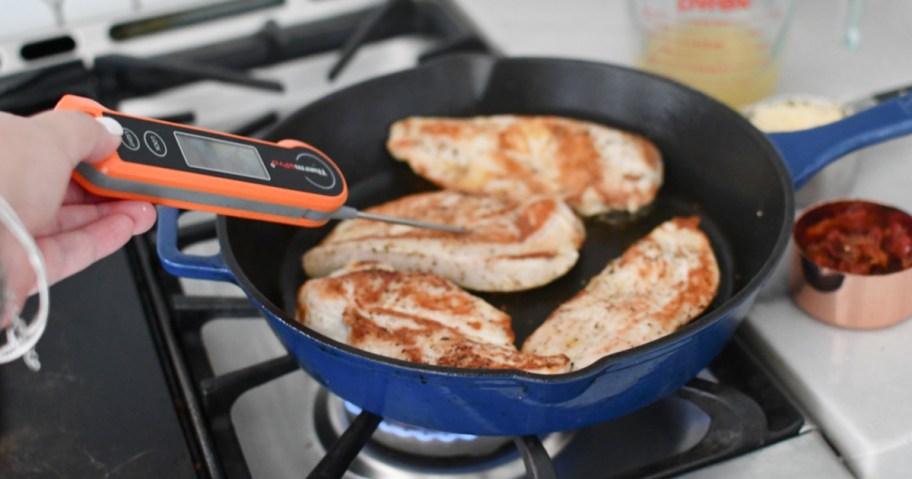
(594, 168)
(659, 284)
(415, 317)
(510, 245)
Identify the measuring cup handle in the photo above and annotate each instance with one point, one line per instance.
(806, 152)
(184, 265)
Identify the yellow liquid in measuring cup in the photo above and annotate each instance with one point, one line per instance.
(728, 62)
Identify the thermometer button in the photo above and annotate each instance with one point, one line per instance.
(130, 140)
(155, 144)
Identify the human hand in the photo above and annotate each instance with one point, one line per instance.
(71, 227)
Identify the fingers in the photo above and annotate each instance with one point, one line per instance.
(78, 135)
(38, 156)
(81, 235)
(74, 216)
(76, 194)
(70, 251)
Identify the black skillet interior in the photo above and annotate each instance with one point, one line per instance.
(717, 166)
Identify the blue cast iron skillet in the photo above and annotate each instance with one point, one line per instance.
(718, 166)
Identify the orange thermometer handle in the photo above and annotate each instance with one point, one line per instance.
(192, 168)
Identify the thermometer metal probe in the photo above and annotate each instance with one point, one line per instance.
(348, 213)
(192, 168)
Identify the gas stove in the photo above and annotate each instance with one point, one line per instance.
(160, 377)
(232, 369)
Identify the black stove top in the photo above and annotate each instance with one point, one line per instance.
(101, 406)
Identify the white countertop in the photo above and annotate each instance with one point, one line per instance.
(855, 385)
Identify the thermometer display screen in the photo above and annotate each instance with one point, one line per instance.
(222, 156)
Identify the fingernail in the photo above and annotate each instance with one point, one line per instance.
(111, 125)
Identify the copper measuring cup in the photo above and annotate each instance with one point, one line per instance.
(844, 298)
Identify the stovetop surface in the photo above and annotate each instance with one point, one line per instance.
(101, 405)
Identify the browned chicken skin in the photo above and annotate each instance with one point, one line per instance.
(662, 282)
(510, 246)
(509, 178)
(594, 168)
(415, 317)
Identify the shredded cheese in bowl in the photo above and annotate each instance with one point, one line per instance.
(791, 114)
(801, 112)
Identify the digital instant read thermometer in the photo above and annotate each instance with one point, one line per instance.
(191, 168)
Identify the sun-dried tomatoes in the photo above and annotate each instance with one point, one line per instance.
(856, 237)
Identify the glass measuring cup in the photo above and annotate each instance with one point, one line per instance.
(728, 49)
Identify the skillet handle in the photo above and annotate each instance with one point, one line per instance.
(806, 152)
(184, 265)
